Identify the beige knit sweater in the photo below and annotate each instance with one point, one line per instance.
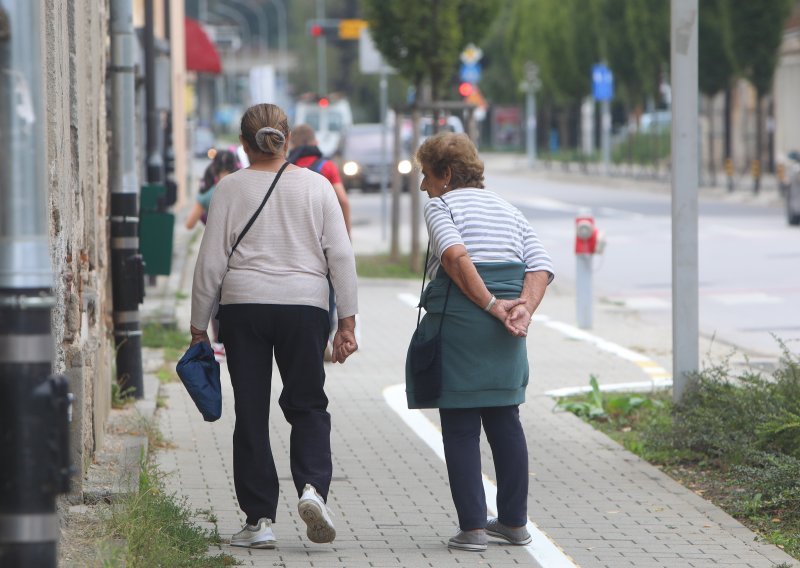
(297, 239)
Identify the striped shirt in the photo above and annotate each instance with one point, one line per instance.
(491, 229)
(285, 257)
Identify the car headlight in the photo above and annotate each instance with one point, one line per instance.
(404, 166)
(350, 168)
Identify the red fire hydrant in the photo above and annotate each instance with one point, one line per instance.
(588, 242)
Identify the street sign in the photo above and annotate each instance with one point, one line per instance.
(471, 54)
(351, 29)
(370, 60)
(602, 83)
(470, 72)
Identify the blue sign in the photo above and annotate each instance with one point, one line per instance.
(602, 83)
(470, 72)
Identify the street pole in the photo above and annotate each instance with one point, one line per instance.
(414, 190)
(127, 272)
(384, 98)
(322, 57)
(531, 85)
(394, 243)
(530, 100)
(685, 282)
(283, 45)
(34, 406)
(605, 134)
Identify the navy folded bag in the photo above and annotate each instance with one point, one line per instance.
(199, 372)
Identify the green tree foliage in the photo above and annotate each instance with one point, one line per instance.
(648, 31)
(757, 27)
(423, 38)
(715, 49)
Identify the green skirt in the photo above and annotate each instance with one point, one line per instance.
(482, 364)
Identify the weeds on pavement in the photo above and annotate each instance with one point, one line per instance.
(156, 528)
(733, 438)
(381, 266)
(174, 342)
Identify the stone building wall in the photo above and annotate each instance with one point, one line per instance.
(75, 38)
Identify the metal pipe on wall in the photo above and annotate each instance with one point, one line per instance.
(127, 271)
(34, 406)
(155, 161)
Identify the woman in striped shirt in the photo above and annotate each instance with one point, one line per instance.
(485, 246)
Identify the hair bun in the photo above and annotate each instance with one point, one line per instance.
(263, 135)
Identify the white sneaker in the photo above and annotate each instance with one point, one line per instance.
(258, 536)
(316, 515)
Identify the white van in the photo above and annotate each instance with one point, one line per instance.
(329, 118)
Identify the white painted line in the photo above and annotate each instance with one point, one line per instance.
(743, 299)
(645, 303)
(409, 299)
(574, 333)
(542, 549)
(642, 386)
(659, 377)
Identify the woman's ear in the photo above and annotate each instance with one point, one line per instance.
(448, 174)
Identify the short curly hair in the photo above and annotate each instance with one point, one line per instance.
(454, 151)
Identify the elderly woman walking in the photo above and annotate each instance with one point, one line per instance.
(484, 246)
(274, 233)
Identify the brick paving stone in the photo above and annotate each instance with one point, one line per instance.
(602, 505)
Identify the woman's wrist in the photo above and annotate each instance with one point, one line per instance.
(490, 304)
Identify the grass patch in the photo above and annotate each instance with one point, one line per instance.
(181, 295)
(172, 341)
(734, 439)
(121, 398)
(381, 266)
(156, 528)
(166, 374)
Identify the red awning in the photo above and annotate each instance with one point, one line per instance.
(201, 55)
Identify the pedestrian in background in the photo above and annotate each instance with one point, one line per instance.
(274, 300)
(484, 246)
(224, 163)
(305, 152)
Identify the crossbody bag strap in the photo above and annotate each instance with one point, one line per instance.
(260, 207)
(425, 272)
(250, 224)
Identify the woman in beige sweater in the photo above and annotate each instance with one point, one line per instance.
(274, 300)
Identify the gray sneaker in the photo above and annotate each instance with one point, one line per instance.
(474, 541)
(258, 536)
(518, 536)
(316, 516)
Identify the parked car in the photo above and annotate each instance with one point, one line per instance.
(204, 142)
(329, 118)
(793, 189)
(363, 165)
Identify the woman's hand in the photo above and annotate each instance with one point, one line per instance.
(198, 336)
(502, 309)
(518, 320)
(344, 342)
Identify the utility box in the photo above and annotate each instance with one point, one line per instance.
(156, 231)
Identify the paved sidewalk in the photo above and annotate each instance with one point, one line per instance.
(600, 504)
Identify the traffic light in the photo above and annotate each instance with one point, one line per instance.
(328, 29)
(465, 89)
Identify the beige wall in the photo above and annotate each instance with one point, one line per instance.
(787, 95)
(74, 42)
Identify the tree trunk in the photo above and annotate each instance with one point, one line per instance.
(759, 143)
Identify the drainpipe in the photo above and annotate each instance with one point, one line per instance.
(34, 406)
(155, 162)
(169, 146)
(127, 272)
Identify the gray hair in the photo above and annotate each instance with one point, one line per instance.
(269, 138)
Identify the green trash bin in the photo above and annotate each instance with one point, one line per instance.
(156, 231)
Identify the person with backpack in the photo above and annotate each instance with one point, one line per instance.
(305, 152)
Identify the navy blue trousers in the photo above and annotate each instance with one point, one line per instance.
(297, 336)
(461, 434)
